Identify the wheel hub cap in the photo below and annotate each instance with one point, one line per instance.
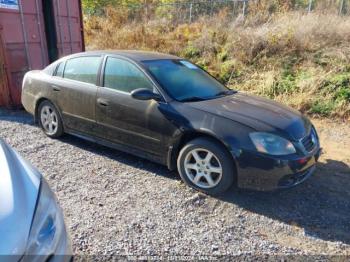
(49, 120)
(203, 168)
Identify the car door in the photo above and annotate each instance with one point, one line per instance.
(123, 119)
(75, 85)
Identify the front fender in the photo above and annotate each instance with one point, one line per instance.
(226, 132)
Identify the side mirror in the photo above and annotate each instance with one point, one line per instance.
(145, 94)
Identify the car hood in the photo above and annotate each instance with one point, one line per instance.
(258, 113)
(19, 189)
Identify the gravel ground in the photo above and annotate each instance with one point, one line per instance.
(115, 203)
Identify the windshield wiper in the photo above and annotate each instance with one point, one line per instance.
(197, 98)
(226, 92)
(192, 99)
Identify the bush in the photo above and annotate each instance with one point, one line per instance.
(301, 60)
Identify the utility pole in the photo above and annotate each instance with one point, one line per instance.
(341, 7)
(310, 6)
(244, 8)
(191, 4)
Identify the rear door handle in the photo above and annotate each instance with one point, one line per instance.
(56, 88)
(102, 102)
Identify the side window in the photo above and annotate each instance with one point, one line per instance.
(59, 70)
(84, 69)
(124, 76)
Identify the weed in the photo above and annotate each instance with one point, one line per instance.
(301, 60)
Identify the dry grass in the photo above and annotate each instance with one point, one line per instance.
(300, 59)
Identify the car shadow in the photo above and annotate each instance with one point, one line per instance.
(18, 115)
(320, 206)
(122, 157)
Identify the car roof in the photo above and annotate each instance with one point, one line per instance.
(135, 55)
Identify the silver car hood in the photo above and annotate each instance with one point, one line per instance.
(19, 189)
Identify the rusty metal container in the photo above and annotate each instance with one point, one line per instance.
(34, 33)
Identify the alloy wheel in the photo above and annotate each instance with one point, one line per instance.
(49, 120)
(203, 168)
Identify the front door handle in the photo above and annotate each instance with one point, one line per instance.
(102, 102)
(56, 88)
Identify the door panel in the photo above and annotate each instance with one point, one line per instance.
(76, 100)
(122, 119)
(125, 120)
(76, 91)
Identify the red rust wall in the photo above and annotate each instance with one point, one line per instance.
(69, 26)
(5, 98)
(24, 41)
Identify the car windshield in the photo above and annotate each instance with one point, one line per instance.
(184, 81)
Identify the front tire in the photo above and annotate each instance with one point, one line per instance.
(50, 120)
(205, 165)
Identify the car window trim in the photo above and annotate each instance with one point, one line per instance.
(115, 90)
(57, 66)
(143, 71)
(97, 73)
(77, 82)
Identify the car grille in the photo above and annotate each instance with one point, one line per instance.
(309, 142)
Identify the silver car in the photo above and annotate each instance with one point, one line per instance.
(31, 221)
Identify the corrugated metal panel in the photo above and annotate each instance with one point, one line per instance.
(25, 38)
(15, 51)
(5, 98)
(69, 25)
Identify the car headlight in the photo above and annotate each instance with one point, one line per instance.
(271, 144)
(48, 224)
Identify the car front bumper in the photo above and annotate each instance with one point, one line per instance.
(265, 173)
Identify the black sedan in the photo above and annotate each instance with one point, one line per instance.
(168, 110)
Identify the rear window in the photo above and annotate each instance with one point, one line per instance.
(83, 69)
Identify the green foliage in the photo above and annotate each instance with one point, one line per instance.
(283, 85)
(301, 3)
(339, 86)
(191, 52)
(286, 83)
(335, 92)
(228, 71)
(93, 7)
(223, 55)
(343, 94)
(322, 107)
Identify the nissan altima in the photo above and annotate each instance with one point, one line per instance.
(31, 222)
(171, 111)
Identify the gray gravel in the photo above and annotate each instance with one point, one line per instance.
(115, 203)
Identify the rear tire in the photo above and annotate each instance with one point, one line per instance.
(207, 166)
(50, 120)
